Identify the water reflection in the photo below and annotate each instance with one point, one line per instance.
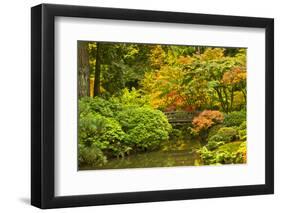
(180, 153)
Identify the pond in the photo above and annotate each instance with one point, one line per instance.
(180, 153)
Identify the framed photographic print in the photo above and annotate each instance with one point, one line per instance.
(139, 106)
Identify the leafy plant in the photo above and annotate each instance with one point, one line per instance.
(206, 119)
(225, 154)
(242, 151)
(213, 144)
(90, 156)
(214, 130)
(235, 118)
(99, 105)
(145, 127)
(102, 133)
(133, 97)
(226, 134)
(105, 132)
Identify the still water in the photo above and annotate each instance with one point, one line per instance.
(180, 154)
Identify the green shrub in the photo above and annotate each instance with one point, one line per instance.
(214, 130)
(242, 131)
(216, 138)
(225, 155)
(226, 134)
(230, 147)
(207, 156)
(223, 135)
(119, 125)
(145, 127)
(109, 107)
(243, 126)
(99, 105)
(104, 133)
(90, 156)
(242, 134)
(211, 145)
(235, 118)
(90, 126)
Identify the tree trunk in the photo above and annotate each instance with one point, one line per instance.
(83, 69)
(221, 99)
(97, 72)
(226, 99)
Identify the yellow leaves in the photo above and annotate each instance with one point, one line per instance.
(185, 60)
(187, 81)
(212, 53)
(148, 81)
(238, 99)
(132, 51)
(234, 76)
(165, 87)
(157, 56)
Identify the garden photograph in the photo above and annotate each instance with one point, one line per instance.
(160, 105)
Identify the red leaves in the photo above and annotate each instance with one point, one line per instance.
(206, 119)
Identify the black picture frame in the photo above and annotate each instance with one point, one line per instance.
(43, 102)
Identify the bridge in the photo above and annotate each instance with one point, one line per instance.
(180, 118)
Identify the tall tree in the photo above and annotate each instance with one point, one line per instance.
(83, 69)
(97, 70)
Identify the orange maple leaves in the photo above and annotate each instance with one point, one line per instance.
(206, 119)
(234, 76)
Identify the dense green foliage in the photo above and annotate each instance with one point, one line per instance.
(90, 156)
(126, 92)
(145, 127)
(226, 154)
(235, 118)
(118, 126)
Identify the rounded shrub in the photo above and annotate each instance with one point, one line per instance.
(235, 118)
(227, 134)
(102, 132)
(145, 127)
(224, 135)
(206, 119)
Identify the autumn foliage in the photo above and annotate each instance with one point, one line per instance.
(206, 119)
(234, 76)
(137, 99)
